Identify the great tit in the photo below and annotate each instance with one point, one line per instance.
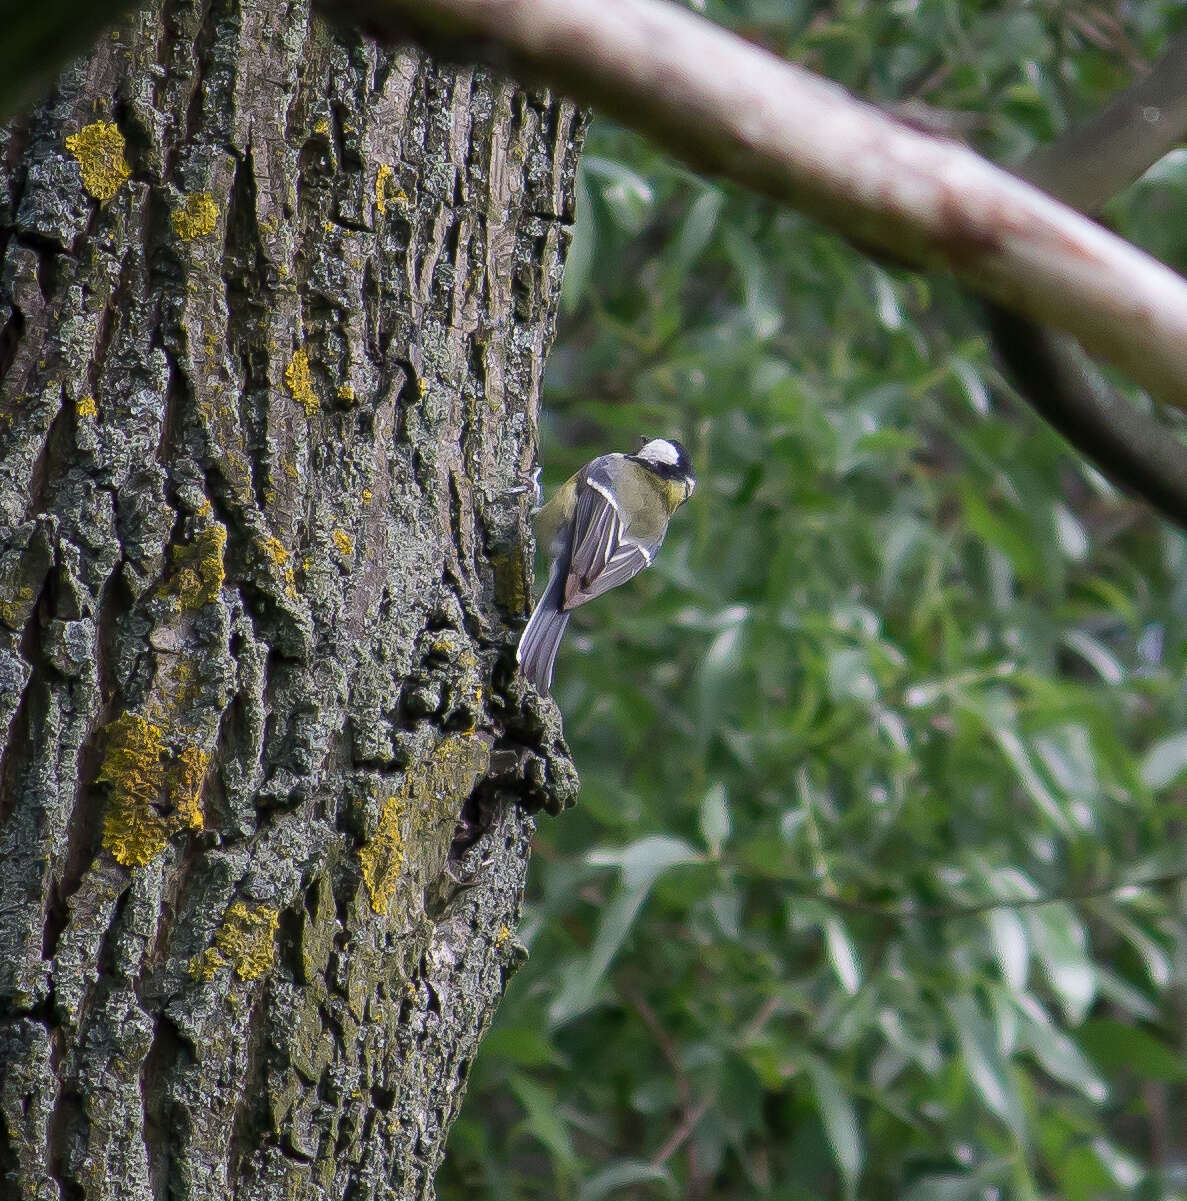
(602, 526)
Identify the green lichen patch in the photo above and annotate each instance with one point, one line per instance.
(245, 942)
(433, 790)
(152, 796)
(196, 218)
(22, 571)
(15, 608)
(511, 582)
(318, 926)
(449, 775)
(300, 382)
(276, 553)
(99, 149)
(200, 570)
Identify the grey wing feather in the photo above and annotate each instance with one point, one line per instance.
(536, 654)
(602, 556)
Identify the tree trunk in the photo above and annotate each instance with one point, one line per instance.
(275, 306)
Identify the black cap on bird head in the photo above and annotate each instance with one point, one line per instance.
(666, 457)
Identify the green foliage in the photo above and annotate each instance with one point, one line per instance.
(905, 668)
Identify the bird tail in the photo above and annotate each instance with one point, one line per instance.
(542, 636)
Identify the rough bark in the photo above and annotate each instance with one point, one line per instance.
(274, 306)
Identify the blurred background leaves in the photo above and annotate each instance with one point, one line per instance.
(905, 667)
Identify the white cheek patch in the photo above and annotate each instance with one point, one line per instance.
(660, 450)
(611, 499)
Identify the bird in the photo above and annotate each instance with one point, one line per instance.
(602, 526)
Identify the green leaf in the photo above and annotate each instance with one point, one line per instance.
(628, 196)
(842, 955)
(543, 1121)
(987, 1069)
(1061, 945)
(1117, 1047)
(622, 1175)
(715, 818)
(840, 1121)
(583, 978)
(1010, 945)
(697, 228)
(641, 864)
(643, 861)
(1165, 762)
(1003, 531)
(1063, 1060)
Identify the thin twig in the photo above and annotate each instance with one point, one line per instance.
(679, 1136)
(908, 912)
(691, 1112)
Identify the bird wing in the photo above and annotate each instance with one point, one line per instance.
(602, 555)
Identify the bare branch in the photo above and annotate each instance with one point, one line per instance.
(1089, 164)
(1085, 168)
(1059, 381)
(731, 108)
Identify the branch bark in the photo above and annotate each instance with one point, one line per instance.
(1089, 164)
(730, 108)
(1086, 167)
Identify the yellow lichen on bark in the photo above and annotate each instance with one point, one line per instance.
(87, 407)
(382, 179)
(343, 542)
(133, 831)
(185, 786)
(196, 218)
(382, 856)
(300, 382)
(202, 570)
(99, 149)
(135, 768)
(432, 791)
(275, 550)
(246, 942)
(247, 939)
(452, 770)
